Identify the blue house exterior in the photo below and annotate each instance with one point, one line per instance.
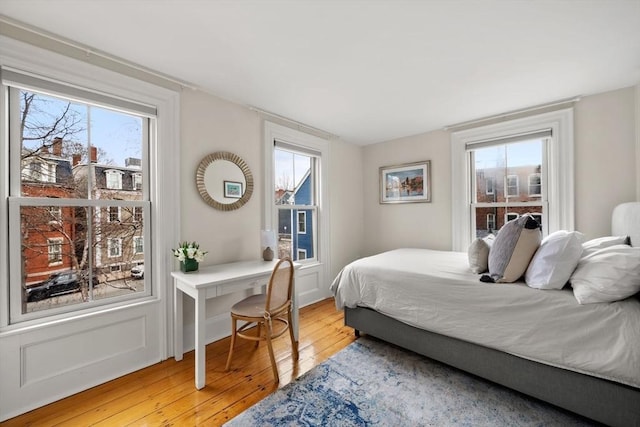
(297, 224)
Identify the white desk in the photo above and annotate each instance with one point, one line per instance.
(211, 282)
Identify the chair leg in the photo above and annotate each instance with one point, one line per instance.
(294, 344)
(233, 341)
(274, 366)
(259, 331)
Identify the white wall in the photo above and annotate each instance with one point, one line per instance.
(210, 124)
(605, 175)
(605, 153)
(426, 225)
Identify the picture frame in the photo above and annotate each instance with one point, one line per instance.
(232, 189)
(406, 183)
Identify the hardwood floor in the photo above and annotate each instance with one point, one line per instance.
(164, 394)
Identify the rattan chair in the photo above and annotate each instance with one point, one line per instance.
(270, 313)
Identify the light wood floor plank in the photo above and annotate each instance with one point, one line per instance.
(164, 394)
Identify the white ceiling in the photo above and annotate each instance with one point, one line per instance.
(367, 71)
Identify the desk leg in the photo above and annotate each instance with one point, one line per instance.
(295, 319)
(200, 303)
(177, 322)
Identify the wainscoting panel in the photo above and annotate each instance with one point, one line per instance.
(44, 363)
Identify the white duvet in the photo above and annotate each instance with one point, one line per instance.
(436, 291)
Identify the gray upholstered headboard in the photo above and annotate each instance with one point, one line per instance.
(625, 221)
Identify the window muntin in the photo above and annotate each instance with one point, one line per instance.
(65, 148)
(295, 198)
(507, 163)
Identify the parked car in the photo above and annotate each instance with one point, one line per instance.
(57, 284)
(137, 272)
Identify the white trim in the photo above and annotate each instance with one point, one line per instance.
(560, 171)
(304, 222)
(152, 313)
(321, 267)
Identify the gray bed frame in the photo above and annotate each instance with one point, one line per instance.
(604, 401)
(601, 400)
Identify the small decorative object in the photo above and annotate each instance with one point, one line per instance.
(189, 254)
(268, 243)
(408, 183)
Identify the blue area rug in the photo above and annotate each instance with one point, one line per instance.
(371, 383)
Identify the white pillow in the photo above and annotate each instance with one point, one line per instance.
(555, 260)
(479, 254)
(607, 275)
(593, 245)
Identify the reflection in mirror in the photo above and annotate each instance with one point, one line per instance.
(224, 181)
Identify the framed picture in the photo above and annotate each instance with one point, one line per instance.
(232, 189)
(408, 183)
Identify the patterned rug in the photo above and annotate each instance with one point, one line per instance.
(371, 383)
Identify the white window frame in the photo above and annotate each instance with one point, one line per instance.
(491, 221)
(302, 254)
(54, 242)
(118, 214)
(136, 181)
(113, 179)
(507, 193)
(276, 132)
(164, 189)
(539, 193)
(114, 243)
(137, 239)
(56, 214)
(487, 180)
(302, 230)
(559, 170)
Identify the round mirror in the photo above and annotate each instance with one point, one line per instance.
(224, 181)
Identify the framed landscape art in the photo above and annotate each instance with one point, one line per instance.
(408, 183)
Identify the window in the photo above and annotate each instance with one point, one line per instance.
(535, 185)
(302, 222)
(513, 190)
(55, 250)
(137, 214)
(539, 145)
(58, 195)
(295, 175)
(138, 245)
(490, 186)
(302, 254)
(114, 179)
(114, 246)
(511, 216)
(55, 213)
(114, 213)
(136, 179)
(491, 223)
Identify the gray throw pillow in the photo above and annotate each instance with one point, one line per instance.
(513, 249)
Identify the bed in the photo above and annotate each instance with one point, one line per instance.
(430, 302)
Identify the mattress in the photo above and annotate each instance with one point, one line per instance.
(436, 291)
